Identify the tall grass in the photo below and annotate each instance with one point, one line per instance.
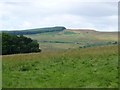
(88, 67)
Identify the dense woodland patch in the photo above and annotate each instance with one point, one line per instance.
(13, 44)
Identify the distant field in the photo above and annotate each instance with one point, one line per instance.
(84, 67)
(71, 39)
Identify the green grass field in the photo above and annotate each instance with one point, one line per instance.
(69, 59)
(94, 67)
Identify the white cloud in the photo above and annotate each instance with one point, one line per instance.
(97, 14)
(26, 24)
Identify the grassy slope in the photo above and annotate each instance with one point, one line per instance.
(66, 68)
(89, 67)
(84, 37)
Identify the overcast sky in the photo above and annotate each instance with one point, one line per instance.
(100, 15)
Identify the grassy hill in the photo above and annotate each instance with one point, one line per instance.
(60, 38)
(71, 38)
(70, 58)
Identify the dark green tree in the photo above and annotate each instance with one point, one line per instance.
(12, 44)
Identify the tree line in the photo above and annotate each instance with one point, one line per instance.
(13, 44)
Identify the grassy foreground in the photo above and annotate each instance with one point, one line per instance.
(88, 67)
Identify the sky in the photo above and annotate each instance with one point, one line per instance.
(100, 15)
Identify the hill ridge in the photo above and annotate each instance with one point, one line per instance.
(36, 30)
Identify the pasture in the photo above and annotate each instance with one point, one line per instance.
(71, 39)
(69, 59)
(94, 67)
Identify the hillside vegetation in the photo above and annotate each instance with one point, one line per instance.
(60, 38)
(87, 68)
(70, 58)
(36, 30)
(13, 44)
(71, 39)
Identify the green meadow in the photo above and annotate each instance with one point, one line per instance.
(87, 68)
(69, 59)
